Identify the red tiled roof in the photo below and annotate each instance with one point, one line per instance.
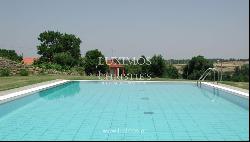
(29, 60)
(116, 66)
(113, 64)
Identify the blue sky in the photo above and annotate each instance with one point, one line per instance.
(174, 28)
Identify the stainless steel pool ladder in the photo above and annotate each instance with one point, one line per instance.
(205, 74)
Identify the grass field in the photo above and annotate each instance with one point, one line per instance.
(244, 85)
(11, 82)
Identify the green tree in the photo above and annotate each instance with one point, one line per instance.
(195, 67)
(227, 76)
(157, 66)
(64, 59)
(91, 62)
(245, 72)
(241, 74)
(10, 54)
(171, 72)
(55, 46)
(133, 69)
(145, 65)
(141, 66)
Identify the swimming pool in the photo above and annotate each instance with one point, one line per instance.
(126, 111)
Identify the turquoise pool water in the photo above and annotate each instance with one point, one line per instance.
(126, 111)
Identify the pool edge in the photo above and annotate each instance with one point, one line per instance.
(26, 92)
(22, 93)
(227, 89)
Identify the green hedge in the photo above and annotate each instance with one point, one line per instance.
(5, 72)
(24, 72)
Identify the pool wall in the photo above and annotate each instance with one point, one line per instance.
(26, 92)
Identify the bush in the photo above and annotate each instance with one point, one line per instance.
(133, 69)
(5, 72)
(50, 66)
(24, 72)
(241, 74)
(171, 72)
(79, 70)
(227, 76)
(10, 54)
(43, 72)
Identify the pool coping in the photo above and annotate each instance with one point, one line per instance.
(28, 90)
(36, 88)
(229, 89)
(173, 81)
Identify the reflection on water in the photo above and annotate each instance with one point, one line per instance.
(211, 94)
(63, 91)
(233, 98)
(8, 107)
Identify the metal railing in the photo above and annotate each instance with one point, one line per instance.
(206, 73)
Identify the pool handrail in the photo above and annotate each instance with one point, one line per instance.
(205, 74)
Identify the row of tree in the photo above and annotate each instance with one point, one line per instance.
(157, 68)
(61, 51)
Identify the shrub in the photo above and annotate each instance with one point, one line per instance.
(24, 72)
(79, 70)
(43, 72)
(50, 66)
(227, 76)
(5, 72)
(10, 54)
(171, 72)
(241, 74)
(133, 69)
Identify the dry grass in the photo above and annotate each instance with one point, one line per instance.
(228, 66)
(243, 85)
